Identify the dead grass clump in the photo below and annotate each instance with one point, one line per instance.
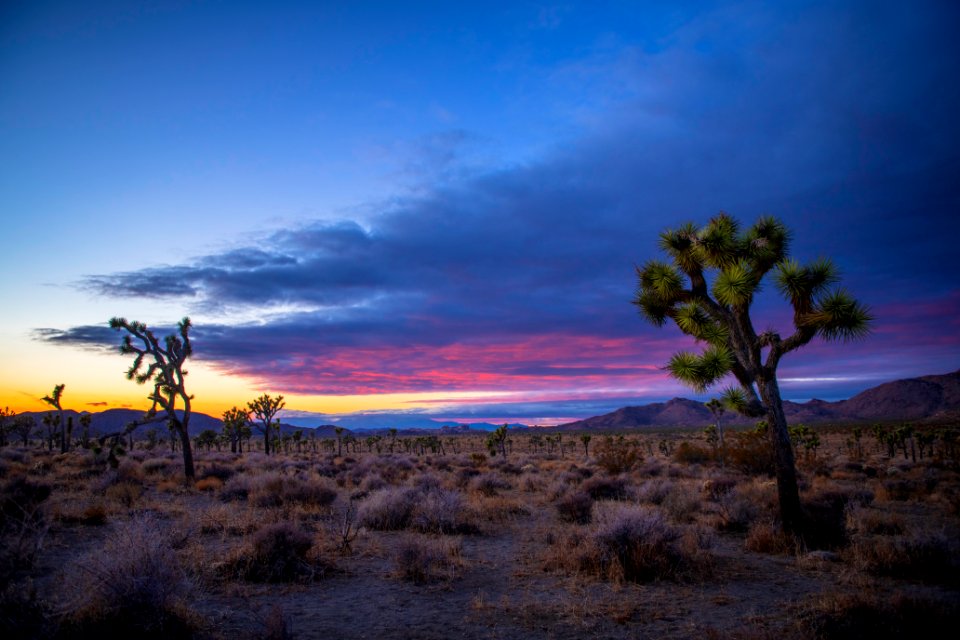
(127, 494)
(654, 491)
(464, 476)
(209, 484)
(489, 484)
(736, 512)
(871, 615)
(134, 586)
(768, 537)
(869, 521)
(278, 553)
(158, 466)
(575, 507)
(420, 559)
(716, 489)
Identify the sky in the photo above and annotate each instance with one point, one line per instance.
(437, 208)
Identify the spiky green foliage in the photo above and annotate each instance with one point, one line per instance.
(708, 291)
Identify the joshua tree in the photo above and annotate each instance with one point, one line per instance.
(497, 441)
(167, 374)
(718, 315)
(265, 408)
(6, 424)
(54, 401)
(717, 409)
(24, 426)
(339, 432)
(585, 439)
(235, 420)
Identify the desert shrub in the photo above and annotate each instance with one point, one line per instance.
(427, 482)
(617, 456)
(681, 503)
(464, 476)
(134, 586)
(879, 617)
(689, 453)
(420, 559)
(716, 488)
(751, 452)
(636, 544)
(219, 471)
(867, 521)
(575, 507)
(441, 511)
(532, 484)
(373, 482)
(209, 484)
(488, 484)
(15, 454)
(606, 487)
(129, 471)
(308, 492)
(389, 509)
(736, 512)
(163, 466)
(23, 527)
(236, 488)
(768, 537)
(921, 555)
(278, 553)
(654, 491)
(825, 516)
(899, 489)
(124, 493)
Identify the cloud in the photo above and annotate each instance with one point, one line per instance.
(519, 277)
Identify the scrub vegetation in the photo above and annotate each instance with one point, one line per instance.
(641, 534)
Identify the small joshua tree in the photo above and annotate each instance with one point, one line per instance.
(235, 420)
(717, 409)
(54, 401)
(585, 439)
(162, 364)
(717, 314)
(265, 408)
(497, 441)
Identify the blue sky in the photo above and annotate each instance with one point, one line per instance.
(439, 205)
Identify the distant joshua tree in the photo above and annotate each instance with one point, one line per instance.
(235, 422)
(54, 401)
(162, 365)
(265, 408)
(718, 315)
(717, 410)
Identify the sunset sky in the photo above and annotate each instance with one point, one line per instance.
(437, 207)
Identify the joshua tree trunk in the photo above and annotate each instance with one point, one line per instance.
(787, 490)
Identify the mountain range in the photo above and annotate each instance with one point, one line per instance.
(931, 397)
(925, 398)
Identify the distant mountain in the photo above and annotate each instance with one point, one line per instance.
(927, 397)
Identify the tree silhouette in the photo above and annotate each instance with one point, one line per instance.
(54, 401)
(717, 314)
(162, 365)
(717, 410)
(235, 420)
(265, 408)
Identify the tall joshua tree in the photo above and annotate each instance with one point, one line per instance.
(54, 401)
(162, 364)
(708, 289)
(265, 408)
